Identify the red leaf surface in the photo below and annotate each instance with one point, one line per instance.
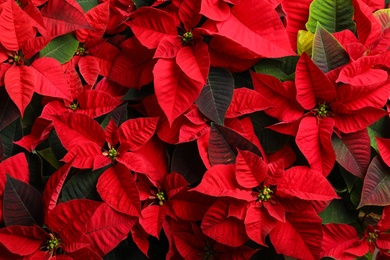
(283, 95)
(251, 170)
(194, 61)
(299, 181)
(106, 228)
(75, 129)
(218, 225)
(51, 80)
(22, 240)
(264, 35)
(133, 67)
(361, 72)
(40, 131)
(150, 31)
(117, 188)
(368, 28)
(336, 239)
(314, 140)
(299, 236)
(175, 91)
(312, 85)
(85, 156)
(15, 26)
(20, 85)
(384, 149)
(89, 68)
(95, 103)
(258, 224)
(376, 185)
(246, 101)
(98, 18)
(137, 132)
(220, 181)
(61, 17)
(17, 167)
(54, 186)
(152, 219)
(216, 10)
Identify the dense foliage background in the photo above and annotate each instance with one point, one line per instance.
(194, 129)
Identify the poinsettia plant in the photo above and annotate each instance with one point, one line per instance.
(194, 129)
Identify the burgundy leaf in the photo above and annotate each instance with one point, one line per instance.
(22, 204)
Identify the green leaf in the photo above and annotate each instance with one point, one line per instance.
(336, 212)
(140, 3)
(328, 53)
(376, 186)
(61, 48)
(48, 155)
(379, 129)
(8, 135)
(383, 16)
(82, 186)
(137, 94)
(216, 95)
(305, 42)
(270, 140)
(282, 68)
(87, 4)
(334, 15)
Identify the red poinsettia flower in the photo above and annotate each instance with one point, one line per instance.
(271, 201)
(345, 108)
(341, 241)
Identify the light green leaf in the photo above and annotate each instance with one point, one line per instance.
(337, 212)
(48, 155)
(61, 48)
(328, 53)
(87, 4)
(281, 68)
(334, 15)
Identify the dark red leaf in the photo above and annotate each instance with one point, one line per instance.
(22, 204)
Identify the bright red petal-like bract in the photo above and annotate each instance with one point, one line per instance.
(20, 85)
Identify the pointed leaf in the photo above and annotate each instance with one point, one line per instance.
(314, 140)
(150, 31)
(8, 110)
(51, 80)
(333, 15)
(22, 204)
(21, 240)
(376, 185)
(328, 54)
(368, 27)
(384, 149)
(95, 221)
(137, 132)
(216, 95)
(74, 129)
(218, 225)
(117, 188)
(251, 170)
(175, 91)
(20, 85)
(282, 68)
(246, 101)
(299, 236)
(87, 4)
(312, 84)
(337, 238)
(223, 145)
(152, 219)
(89, 68)
(54, 186)
(220, 181)
(305, 42)
(194, 61)
(82, 186)
(215, 10)
(61, 48)
(353, 152)
(60, 17)
(15, 26)
(264, 35)
(95, 103)
(299, 181)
